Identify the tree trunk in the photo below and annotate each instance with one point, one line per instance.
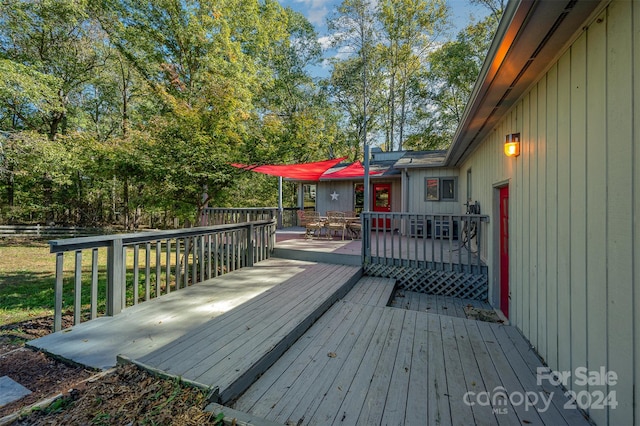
(125, 190)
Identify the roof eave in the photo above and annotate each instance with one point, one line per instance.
(530, 36)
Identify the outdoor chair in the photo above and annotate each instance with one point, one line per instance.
(354, 226)
(312, 223)
(336, 222)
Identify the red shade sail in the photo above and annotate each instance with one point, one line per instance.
(352, 170)
(302, 171)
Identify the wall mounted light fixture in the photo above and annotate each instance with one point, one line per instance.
(512, 145)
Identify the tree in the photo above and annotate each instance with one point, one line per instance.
(410, 28)
(355, 34)
(453, 70)
(54, 38)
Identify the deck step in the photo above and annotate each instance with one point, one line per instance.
(373, 291)
(231, 351)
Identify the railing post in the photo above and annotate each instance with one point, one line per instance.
(115, 271)
(57, 314)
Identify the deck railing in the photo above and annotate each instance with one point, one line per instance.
(435, 241)
(145, 265)
(227, 215)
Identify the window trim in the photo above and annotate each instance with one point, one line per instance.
(438, 196)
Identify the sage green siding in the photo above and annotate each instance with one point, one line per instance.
(575, 207)
(414, 197)
(345, 191)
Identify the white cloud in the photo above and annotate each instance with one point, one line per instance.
(316, 11)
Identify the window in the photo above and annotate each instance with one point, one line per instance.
(440, 189)
(358, 198)
(447, 189)
(309, 191)
(468, 184)
(432, 189)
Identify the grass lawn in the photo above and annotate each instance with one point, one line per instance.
(27, 278)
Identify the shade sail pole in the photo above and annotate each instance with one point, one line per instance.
(280, 208)
(367, 195)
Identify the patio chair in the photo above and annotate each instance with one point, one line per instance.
(312, 223)
(354, 226)
(336, 222)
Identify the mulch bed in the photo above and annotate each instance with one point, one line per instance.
(124, 396)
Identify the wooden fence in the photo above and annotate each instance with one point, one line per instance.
(161, 262)
(40, 231)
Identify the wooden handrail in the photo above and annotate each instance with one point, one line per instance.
(435, 241)
(190, 256)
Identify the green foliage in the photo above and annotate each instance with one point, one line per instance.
(453, 71)
(117, 108)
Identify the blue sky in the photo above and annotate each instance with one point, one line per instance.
(317, 11)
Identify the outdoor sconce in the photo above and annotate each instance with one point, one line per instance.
(512, 145)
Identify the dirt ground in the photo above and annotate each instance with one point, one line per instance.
(125, 395)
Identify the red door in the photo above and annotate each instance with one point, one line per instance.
(382, 203)
(504, 251)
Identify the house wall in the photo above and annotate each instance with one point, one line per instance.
(575, 208)
(414, 198)
(345, 201)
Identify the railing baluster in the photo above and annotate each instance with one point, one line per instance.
(94, 283)
(136, 269)
(77, 289)
(168, 268)
(158, 266)
(208, 256)
(147, 270)
(178, 264)
(216, 254)
(201, 259)
(123, 294)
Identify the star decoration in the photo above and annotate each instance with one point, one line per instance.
(334, 196)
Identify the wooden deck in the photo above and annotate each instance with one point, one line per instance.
(442, 305)
(363, 363)
(383, 244)
(230, 351)
(144, 328)
(307, 343)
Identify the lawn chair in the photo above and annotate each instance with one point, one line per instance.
(312, 223)
(336, 222)
(354, 226)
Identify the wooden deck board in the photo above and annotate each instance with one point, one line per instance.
(533, 362)
(507, 376)
(490, 376)
(417, 407)
(393, 366)
(230, 325)
(395, 406)
(335, 377)
(482, 414)
(324, 338)
(435, 304)
(373, 406)
(148, 326)
(232, 350)
(461, 413)
(374, 291)
(345, 398)
(439, 410)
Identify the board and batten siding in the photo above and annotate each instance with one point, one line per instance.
(575, 208)
(345, 191)
(414, 198)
